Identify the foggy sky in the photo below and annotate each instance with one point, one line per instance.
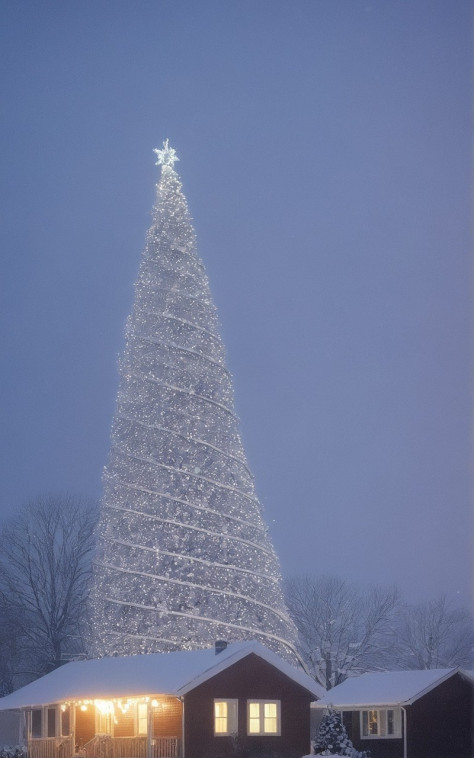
(325, 152)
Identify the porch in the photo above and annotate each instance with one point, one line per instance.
(105, 746)
(138, 727)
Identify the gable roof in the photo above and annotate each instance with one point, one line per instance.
(153, 674)
(384, 689)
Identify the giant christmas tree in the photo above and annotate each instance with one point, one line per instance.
(183, 554)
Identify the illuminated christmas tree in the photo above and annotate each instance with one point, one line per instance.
(184, 557)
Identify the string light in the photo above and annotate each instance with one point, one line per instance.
(184, 556)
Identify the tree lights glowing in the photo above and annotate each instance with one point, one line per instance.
(167, 156)
(184, 557)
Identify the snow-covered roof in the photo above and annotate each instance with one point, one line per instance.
(154, 674)
(384, 689)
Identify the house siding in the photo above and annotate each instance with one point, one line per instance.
(440, 723)
(12, 728)
(124, 724)
(380, 748)
(250, 678)
(167, 718)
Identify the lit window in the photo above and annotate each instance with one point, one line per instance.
(263, 717)
(380, 723)
(103, 722)
(225, 717)
(142, 718)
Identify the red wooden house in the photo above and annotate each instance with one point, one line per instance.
(187, 704)
(407, 714)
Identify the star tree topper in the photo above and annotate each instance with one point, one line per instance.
(167, 156)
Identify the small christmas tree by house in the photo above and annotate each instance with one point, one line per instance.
(332, 737)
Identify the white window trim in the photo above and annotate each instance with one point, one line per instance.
(382, 722)
(262, 733)
(232, 716)
(60, 719)
(100, 720)
(46, 720)
(30, 724)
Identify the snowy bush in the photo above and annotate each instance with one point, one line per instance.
(332, 738)
(12, 751)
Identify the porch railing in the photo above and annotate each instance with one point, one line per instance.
(165, 747)
(104, 746)
(50, 747)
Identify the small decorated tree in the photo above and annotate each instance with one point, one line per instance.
(332, 738)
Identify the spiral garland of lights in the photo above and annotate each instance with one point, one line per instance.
(183, 554)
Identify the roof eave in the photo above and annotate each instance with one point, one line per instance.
(88, 696)
(359, 706)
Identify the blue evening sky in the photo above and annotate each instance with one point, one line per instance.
(325, 151)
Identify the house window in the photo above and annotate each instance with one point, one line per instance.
(142, 718)
(36, 723)
(225, 717)
(263, 717)
(380, 723)
(103, 722)
(65, 721)
(51, 722)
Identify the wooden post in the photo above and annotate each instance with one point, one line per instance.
(149, 731)
(72, 726)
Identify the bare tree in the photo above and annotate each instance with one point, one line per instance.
(45, 556)
(10, 641)
(342, 631)
(434, 635)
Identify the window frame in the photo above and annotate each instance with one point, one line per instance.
(261, 703)
(65, 718)
(104, 724)
(51, 721)
(141, 719)
(232, 716)
(382, 724)
(33, 727)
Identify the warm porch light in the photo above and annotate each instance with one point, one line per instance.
(108, 707)
(105, 707)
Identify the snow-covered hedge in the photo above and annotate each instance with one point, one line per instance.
(12, 751)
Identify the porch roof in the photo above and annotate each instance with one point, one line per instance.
(153, 674)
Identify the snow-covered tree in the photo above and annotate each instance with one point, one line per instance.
(432, 635)
(184, 556)
(332, 737)
(45, 555)
(342, 631)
